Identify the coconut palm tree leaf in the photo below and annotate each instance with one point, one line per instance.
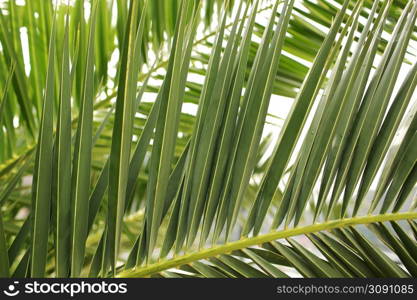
(192, 166)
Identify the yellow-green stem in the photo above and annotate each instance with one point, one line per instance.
(253, 241)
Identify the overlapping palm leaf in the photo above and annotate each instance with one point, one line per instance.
(104, 173)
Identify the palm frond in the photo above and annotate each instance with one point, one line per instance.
(152, 142)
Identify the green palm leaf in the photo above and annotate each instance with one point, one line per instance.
(192, 166)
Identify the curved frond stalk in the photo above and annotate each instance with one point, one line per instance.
(265, 238)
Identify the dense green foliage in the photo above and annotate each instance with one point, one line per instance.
(145, 138)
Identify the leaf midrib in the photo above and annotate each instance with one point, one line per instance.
(268, 237)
